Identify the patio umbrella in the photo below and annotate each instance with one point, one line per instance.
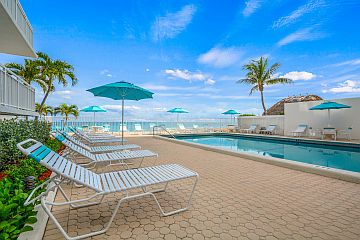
(328, 106)
(93, 109)
(121, 91)
(177, 111)
(231, 113)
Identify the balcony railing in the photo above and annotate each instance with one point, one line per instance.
(16, 12)
(15, 94)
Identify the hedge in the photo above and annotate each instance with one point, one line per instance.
(14, 216)
(14, 131)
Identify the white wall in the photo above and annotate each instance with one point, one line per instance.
(263, 121)
(299, 113)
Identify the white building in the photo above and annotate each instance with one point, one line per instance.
(16, 37)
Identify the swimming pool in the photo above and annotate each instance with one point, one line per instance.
(327, 155)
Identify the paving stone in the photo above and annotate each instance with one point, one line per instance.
(236, 198)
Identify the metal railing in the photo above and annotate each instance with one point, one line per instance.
(146, 125)
(14, 92)
(16, 12)
(162, 127)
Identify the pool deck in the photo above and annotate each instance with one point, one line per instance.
(236, 198)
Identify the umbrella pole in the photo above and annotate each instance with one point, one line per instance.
(328, 117)
(94, 120)
(122, 122)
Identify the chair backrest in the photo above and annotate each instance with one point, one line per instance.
(79, 133)
(301, 128)
(271, 128)
(137, 127)
(74, 147)
(74, 140)
(253, 127)
(181, 126)
(60, 165)
(123, 128)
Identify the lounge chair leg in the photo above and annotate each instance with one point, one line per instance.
(178, 210)
(76, 206)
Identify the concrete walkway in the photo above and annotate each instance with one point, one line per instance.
(235, 199)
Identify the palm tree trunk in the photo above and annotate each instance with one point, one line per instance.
(263, 102)
(44, 100)
(46, 94)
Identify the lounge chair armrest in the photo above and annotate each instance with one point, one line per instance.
(20, 144)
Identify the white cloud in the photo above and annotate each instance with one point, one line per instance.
(190, 76)
(65, 94)
(106, 72)
(220, 57)
(348, 86)
(295, 75)
(165, 88)
(172, 24)
(118, 107)
(306, 34)
(353, 62)
(251, 6)
(207, 95)
(307, 8)
(209, 82)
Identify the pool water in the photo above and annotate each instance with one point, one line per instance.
(345, 158)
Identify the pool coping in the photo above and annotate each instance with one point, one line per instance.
(304, 167)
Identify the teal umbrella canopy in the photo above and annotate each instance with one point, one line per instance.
(121, 91)
(178, 110)
(329, 105)
(231, 112)
(93, 109)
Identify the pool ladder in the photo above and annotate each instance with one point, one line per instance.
(162, 127)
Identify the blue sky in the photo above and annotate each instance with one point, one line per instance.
(190, 53)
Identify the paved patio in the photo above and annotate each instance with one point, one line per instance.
(235, 199)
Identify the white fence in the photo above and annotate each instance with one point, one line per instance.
(341, 119)
(114, 124)
(15, 94)
(18, 15)
(262, 122)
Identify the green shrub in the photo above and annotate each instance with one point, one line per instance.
(14, 131)
(29, 167)
(13, 214)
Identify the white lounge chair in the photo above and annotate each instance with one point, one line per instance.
(123, 127)
(90, 135)
(251, 129)
(95, 149)
(300, 130)
(269, 130)
(329, 131)
(346, 133)
(138, 128)
(112, 158)
(182, 128)
(96, 140)
(101, 184)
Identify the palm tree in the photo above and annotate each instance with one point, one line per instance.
(30, 72)
(258, 75)
(46, 110)
(67, 110)
(52, 70)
